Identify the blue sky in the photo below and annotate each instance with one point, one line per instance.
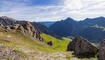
(52, 10)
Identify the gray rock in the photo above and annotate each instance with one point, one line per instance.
(1, 24)
(101, 52)
(27, 28)
(82, 47)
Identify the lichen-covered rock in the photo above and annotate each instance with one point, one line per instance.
(82, 47)
(101, 52)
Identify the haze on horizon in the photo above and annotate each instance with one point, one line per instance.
(52, 10)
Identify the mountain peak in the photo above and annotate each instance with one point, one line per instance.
(69, 18)
(96, 19)
(103, 18)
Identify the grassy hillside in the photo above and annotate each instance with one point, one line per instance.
(59, 45)
(17, 39)
(24, 44)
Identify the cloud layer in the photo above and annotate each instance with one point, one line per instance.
(50, 10)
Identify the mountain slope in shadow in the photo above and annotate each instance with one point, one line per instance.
(70, 27)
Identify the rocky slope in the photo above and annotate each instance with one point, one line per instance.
(7, 53)
(24, 27)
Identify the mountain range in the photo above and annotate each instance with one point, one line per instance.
(92, 29)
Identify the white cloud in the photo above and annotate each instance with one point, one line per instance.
(77, 9)
(81, 9)
(73, 4)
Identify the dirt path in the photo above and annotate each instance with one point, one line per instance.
(55, 56)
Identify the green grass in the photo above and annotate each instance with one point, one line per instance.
(28, 41)
(22, 53)
(68, 56)
(60, 45)
(9, 58)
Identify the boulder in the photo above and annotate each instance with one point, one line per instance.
(82, 47)
(101, 52)
(50, 43)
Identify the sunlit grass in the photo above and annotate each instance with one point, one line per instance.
(60, 45)
(25, 41)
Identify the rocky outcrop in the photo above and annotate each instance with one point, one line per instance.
(101, 52)
(24, 27)
(1, 24)
(27, 28)
(7, 21)
(82, 47)
(7, 53)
